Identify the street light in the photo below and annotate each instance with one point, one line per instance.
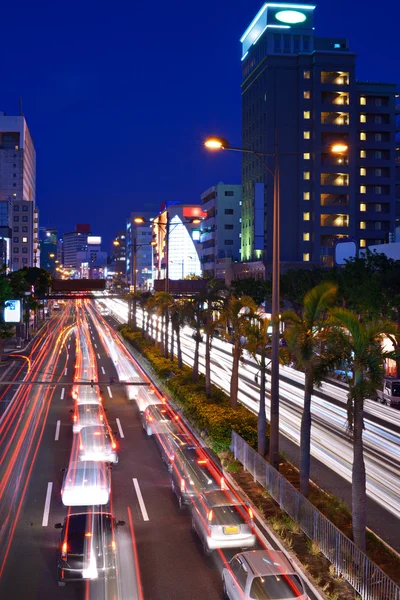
(220, 143)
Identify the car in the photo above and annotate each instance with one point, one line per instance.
(222, 521)
(143, 395)
(97, 443)
(87, 414)
(87, 547)
(193, 472)
(86, 395)
(159, 419)
(86, 483)
(262, 574)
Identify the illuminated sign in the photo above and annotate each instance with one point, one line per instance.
(12, 311)
(193, 212)
(196, 235)
(290, 16)
(94, 240)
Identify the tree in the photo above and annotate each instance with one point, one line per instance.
(163, 301)
(151, 306)
(254, 288)
(361, 342)
(257, 343)
(142, 299)
(306, 333)
(295, 283)
(193, 314)
(213, 300)
(177, 316)
(238, 314)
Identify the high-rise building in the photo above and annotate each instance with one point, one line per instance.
(300, 99)
(220, 229)
(18, 185)
(74, 242)
(48, 249)
(119, 254)
(138, 242)
(91, 261)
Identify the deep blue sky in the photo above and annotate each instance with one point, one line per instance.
(120, 95)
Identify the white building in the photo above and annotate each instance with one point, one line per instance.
(221, 229)
(18, 185)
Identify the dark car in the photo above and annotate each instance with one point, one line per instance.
(87, 547)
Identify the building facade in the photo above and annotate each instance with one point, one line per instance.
(138, 242)
(176, 237)
(74, 242)
(221, 229)
(119, 254)
(18, 190)
(48, 249)
(300, 100)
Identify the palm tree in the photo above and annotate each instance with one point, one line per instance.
(142, 299)
(194, 314)
(177, 315)
(238, 314)
(258, 339)
(362, 344)
(214, 301)
(306, 333)
(151, 306)
(163, 302)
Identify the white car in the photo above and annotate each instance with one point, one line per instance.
(262, 574)
(222, 521)
(96, 443)
(86, 483)
(86, 415)
(86, 395)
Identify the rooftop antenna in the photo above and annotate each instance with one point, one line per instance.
(21, 114)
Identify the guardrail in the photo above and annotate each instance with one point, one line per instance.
(353, 565)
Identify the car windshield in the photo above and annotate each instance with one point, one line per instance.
(396, 389)
(82, 528)
(228, 515)
(76, 534)
(276, 587)
(86, 474)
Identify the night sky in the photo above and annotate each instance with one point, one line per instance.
(120, 95)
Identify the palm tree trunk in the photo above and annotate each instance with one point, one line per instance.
(178, 348)
(235, 375)
(156, 333)
(166, 323)
(305, 435)
(208, 365)
(171, 353)
(195, 376)
(359, 499)
(262, 426)
(143, 323)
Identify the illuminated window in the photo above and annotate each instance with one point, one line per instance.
(16, 147)
(306, 175)
(363, 189)
(306, 95)
(363, 136)
(363, 171)
(306, 135)
(25, 239)
(363, 207)
(306, 114)
(306, 216)
(363, 224)
(363, 243)
(306, 156)
(306, 237)
(306, 74)
(363, 154)
(306, 256)
(363, 100)
(306, 195)
(363, 118)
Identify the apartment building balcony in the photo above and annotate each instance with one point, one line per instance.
(334, 220)
(335, 99)
(334, 179)
(334, 78)
(334, 200)
(337, 118)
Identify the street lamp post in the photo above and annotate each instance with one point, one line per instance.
(219, 143)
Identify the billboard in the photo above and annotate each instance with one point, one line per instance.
(94, 240)
(12, 311)
(194, 212)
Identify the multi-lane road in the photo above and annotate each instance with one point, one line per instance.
(158, 555)
(330, 444)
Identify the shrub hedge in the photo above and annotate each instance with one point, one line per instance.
(212, 417)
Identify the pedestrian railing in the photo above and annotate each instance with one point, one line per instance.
(364, 576)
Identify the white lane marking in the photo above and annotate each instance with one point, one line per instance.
(103, 371)
(98, 356)
(65, 372)
(121, 433)
(95, 345)
(62, 394)
(109, 391)
(47, 504)
(69, 346)
(140, 498)
(57, 431)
